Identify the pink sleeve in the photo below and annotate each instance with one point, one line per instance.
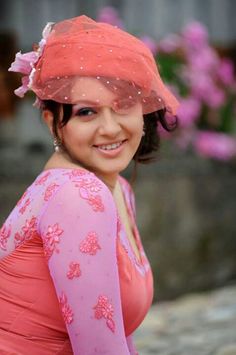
(78, 229)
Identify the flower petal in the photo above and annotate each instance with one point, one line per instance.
(23, 62)
(23, 88)
(47, 29)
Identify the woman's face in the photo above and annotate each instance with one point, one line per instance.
(101, 139)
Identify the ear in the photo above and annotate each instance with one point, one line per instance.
(48, 119)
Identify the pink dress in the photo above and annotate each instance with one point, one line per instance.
(70, 282)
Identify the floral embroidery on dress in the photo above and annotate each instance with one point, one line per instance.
(90, 244)
(26, 204)
(28, 231)
(104, 309)
(88, 188)
(66, 309)
(5, 233)
(50, 191)
(43, 178)
(51, 240)
(89, 184)
(74, 270)
(76, 173)
(96, 203)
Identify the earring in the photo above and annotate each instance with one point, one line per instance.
(143, 134)
(57, 144)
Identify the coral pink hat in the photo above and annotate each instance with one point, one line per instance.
(80, 47)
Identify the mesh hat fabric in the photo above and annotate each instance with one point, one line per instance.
(81, 47)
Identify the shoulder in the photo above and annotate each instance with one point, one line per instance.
(71, 178)
(81, 196)
(75, 186)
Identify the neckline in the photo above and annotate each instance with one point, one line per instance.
(134, 229)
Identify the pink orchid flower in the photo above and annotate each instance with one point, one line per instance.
(195, 35)
(204, 60)
(188, 112)
(226, 71)
(170, 43)
(109, 14)
(215, 145)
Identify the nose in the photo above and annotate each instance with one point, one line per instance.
(109, 124)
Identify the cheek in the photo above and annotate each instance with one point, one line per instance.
(136, 127)
(75, 135)
(71, 134)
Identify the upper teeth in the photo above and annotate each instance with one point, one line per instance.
(110, 146)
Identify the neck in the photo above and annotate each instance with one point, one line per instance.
(109, 180)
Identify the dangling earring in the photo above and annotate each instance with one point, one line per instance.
(143, 134)
(57, 144)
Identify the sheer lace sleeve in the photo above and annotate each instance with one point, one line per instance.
(78, 229)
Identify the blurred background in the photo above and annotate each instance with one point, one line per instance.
(186, 201)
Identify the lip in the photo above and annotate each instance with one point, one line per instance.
(112, 152)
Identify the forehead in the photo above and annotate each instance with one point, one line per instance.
(92, 89)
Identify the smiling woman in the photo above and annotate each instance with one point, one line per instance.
(71, 244)
(102, 139)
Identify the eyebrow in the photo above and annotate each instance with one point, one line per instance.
(91, 102)
(87, 102)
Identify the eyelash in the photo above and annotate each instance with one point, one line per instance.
(82, 112)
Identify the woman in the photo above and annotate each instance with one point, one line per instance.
(74, 275)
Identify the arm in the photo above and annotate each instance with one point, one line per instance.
(79, 236)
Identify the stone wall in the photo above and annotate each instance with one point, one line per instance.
(186, 212)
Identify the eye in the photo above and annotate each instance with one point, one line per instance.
(85, 111)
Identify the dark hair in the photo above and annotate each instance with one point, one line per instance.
(150, 141)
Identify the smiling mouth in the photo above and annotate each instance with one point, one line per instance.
(111, 146)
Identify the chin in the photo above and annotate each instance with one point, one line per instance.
(112, 170)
